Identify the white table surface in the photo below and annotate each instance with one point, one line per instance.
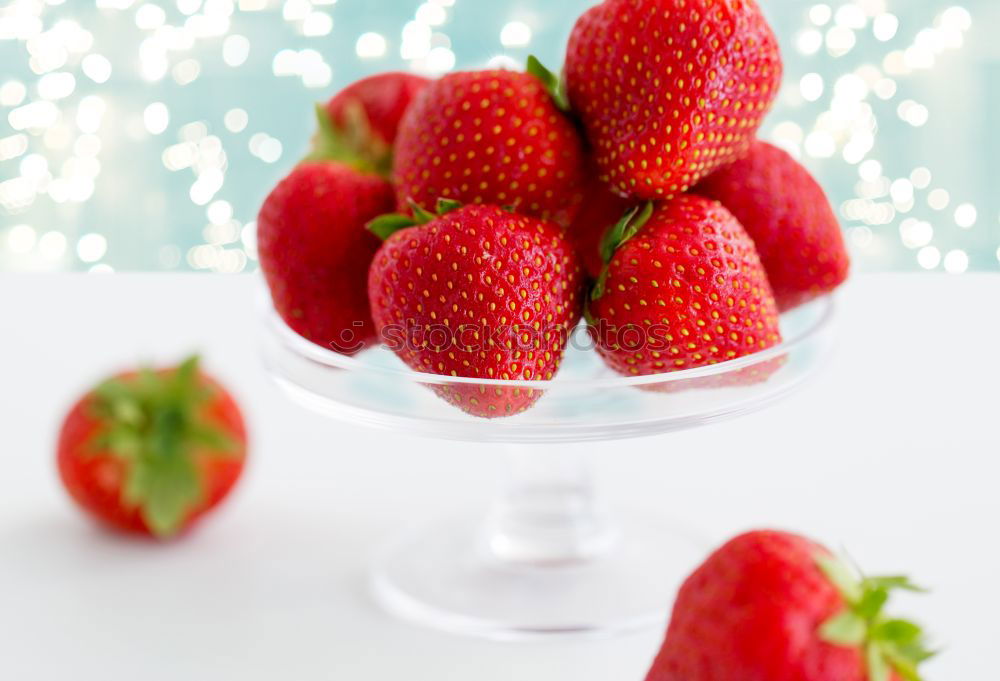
(892, 452)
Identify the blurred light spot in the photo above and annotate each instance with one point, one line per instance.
(91, 247)
(885, 88)
(236, 120)
(870, 170)
(913, 113)
(56, 85)
(21, 239)
(219, 212)
(503, 61)
(370, 46)
(901, 191)
(851, 16)
(885, 27)
(921, 178)
(929, 257)
(248, 236)
(186, 71)
(13, 146)
(12, 93)
(52, 245)
(156, 118)
(150, 16)
(317, 24)
(956, 262)
(235, 50)
(268, 149)
(820, 144)
(189, 7)
(515, 34)
(96, 67)
(820, 14)
(431, 14)
(90, 113)
(193, 132)
(839, 41)
(915, 233)
(809, 41)
(34, 167)
(938, 199)
(34, 116)
(440, 60)
(957, 17)
(811, 86)
(860, 236)
(966, 215)
(296, 10)
(416, 40)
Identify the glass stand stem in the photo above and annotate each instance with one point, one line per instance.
(548, 513)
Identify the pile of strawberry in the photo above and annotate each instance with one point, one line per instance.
(632, 192)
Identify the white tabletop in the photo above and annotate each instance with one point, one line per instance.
(892, 453)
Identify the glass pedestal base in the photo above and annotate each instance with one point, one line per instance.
(448, 577)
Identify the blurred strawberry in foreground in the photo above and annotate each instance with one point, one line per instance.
(789, 217)
(362, 120)
(315, 251)
(683, 288)
(670, 90)
(152, 451)
(477, 292)
(491, 137)
(771, 606)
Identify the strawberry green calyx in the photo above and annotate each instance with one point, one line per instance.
(385, 226)
(151, 421)
(554, 85)
(889, 644)
(624, 229)
(353, 143)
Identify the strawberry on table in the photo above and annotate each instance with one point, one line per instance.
(772, 606)
(789, 217)
(152, 451)
(477, 292)
(315, 251)
(491, 137)
(363, 119)
(682, 288)
(670, 90)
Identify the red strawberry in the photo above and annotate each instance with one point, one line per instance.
(153, 451)
(494, 137)
(683, 288)
(670, 90)
(790, 220)
(770, 606)
(601, 209)
(477, 292)
(315, 251)
(361, 120)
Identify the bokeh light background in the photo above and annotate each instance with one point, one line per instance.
(144, 135)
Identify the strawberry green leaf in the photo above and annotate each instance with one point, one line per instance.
(154, 423)
(555, 85)
(420, 214)
(597, 292)
(385, 226)
(845, 629)
(889, 644)
(445, 206)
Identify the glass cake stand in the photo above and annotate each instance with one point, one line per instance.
(549, 558)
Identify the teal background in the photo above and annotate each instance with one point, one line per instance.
(140, 214)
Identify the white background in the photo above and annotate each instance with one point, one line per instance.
(892, 452)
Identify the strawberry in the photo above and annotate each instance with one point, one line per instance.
(361, 121)
(670, 90)
(771, 606)
(601, 209)
(476, 292)
(493, 137)
(151, 452)
(787, 214)
(682, 288)
(315, 251)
